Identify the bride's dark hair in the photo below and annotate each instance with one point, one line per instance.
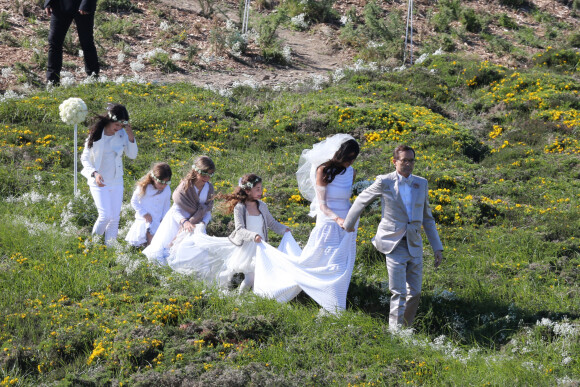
(347, 152)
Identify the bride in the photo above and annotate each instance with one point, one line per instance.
(324, 267)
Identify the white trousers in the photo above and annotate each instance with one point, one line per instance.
(405, 278)
(108, 200)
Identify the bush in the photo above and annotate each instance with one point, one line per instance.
(116, 5)
(314, 11)
(163, 62)
(471, 20)
(507, 22)
(574, 39)
(514, 3)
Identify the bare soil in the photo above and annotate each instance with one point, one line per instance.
(314, 52)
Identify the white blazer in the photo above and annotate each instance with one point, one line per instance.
(91, 157)
(395, 222)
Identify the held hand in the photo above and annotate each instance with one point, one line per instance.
(287, 230)
(148, 218)
(48, 11)
(258, 239)
(83, 12)
(340, 221)
(99, 179)
(438, 258)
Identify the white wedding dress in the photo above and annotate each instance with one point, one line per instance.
(324, 268)
(215, 260)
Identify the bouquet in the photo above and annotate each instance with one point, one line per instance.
(73, 111)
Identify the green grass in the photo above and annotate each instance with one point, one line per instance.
(500, 148)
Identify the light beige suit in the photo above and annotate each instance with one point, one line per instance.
(404, 260)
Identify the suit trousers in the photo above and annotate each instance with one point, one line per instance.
(108, 200)
(59, 25)
(405, 278)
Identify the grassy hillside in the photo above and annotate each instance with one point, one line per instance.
(499, 147)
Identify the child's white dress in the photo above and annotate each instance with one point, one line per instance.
(215, 259)
(152, 202)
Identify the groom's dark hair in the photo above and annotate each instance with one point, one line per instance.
(400, 149)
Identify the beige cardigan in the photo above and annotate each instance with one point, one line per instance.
(241, 234)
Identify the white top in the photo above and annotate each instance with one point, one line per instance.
(108, 168)
(153, 202)
(338, 195)
(92, 158)
(254, 223)
(405, 192)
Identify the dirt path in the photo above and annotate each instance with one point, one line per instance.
(313, 53)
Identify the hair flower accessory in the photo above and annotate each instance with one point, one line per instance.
(73, 111)
(248, 184)
(112, 116)
(203, 173)
(158, 180)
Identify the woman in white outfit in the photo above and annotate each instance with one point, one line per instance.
(324, 268)
(109, 138)
(191, 210)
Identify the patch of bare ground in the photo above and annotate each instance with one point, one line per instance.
(181, 29)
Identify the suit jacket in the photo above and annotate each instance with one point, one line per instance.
(395, 222)
(72, 6)
(241, 234)
(91, 157)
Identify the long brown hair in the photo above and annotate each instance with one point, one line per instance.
(348, 151)
(240, 195)
(162, 171)
(202, 163)
(115, 112)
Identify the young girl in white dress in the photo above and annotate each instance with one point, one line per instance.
(151, 200)
(191, 210)
(215, 259)
(109, 138)
(324, 268)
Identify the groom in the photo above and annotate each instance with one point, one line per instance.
(404, 198)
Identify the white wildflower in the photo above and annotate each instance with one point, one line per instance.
(6, 72)
(120, 57)
(344, 20)
(231, 25)
(176, 57)
(422, 58)
(438, 52)
(81, 53)
(338, 75)
(137, 66)
(287, 53)
(299, 21)
(164, 26)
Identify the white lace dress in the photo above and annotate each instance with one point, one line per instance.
(324, 267)
(214, 259)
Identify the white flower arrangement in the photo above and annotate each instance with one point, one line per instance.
(73, 111)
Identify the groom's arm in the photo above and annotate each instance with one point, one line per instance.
(364, 199)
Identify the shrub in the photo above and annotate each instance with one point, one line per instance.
(574, 39)
(116, 5)
(507, 22)
(163, 62)
(471, 20)
(314, 11)
(514, 3)
(4, 24)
